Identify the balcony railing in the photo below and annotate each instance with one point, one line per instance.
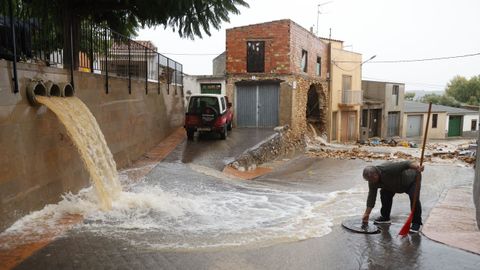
(350, 97)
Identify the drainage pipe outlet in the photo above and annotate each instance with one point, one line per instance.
(34, 89)
(66, 90)
(53, 90)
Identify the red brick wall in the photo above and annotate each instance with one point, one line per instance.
(302, 39)
(276, 36)
(284, 42)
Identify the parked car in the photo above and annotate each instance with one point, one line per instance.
(208, 113)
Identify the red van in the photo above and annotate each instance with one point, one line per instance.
(208, 113)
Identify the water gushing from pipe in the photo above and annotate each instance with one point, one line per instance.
(84, 131)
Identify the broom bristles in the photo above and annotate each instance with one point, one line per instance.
(406, 227)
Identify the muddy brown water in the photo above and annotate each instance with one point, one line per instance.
(289, 219)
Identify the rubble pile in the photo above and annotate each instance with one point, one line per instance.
(464, 152)
(324, 152)
(470, 159)
(395, 141)
(360, 154)
(446, 151)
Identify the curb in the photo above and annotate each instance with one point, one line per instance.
(452, 221)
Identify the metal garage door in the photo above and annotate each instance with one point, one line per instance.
(393, 124)
(454, 126)
(414, 125)
(257, 105)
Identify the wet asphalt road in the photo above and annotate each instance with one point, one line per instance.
(339, 249)
(209, 150)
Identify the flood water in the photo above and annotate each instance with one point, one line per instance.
(83, 130)
(190, 216)
(183, 207)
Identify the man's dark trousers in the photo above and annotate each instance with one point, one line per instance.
(387, 197)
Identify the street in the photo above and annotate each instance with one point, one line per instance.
(189, 216)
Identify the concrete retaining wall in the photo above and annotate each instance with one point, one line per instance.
(38, 161)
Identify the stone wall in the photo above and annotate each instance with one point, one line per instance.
(281, 143)
(39, 162)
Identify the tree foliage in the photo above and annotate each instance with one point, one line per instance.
(189, 18)
(464, 90)
(440, 100)
(409, 96)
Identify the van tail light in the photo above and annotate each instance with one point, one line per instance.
(220, 121)
(192, 120)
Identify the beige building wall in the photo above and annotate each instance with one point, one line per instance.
(374, 90)
(382, 91)
(433, 133)
(392, 106)
(343, 63)
(39, 162)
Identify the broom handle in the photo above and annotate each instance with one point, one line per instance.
(417, 183)
(426, 132)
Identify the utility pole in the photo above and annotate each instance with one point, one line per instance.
(318, 12)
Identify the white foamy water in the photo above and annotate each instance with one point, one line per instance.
(208, 214)
(85, 133)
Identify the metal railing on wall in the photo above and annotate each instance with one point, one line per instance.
(100, 50)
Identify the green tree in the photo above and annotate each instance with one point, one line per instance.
(59, 18)
(464, 90)
(440, 100)
(188, 17)
(409, 96)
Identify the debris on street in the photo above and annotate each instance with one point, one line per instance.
(357, 153)
(394, 141)
(380, 149)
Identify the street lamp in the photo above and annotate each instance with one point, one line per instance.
(368, 59)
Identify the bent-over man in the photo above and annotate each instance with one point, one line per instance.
(392, 178)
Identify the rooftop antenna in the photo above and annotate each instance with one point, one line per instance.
(319, 12)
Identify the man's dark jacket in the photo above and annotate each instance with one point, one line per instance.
(394, 176)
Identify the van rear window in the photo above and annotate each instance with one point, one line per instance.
(198, 104)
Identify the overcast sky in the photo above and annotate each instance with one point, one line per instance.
(389, 29)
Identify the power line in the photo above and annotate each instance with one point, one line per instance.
(347, 70)
(193, 54)
(417, 83)
(427, 59)
(346, 61)
(415, 60)
(430, 86)
(360, 64)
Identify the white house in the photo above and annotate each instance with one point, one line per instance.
(203, 84)
(445, 121)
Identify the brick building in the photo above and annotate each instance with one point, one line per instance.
(277, 75)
